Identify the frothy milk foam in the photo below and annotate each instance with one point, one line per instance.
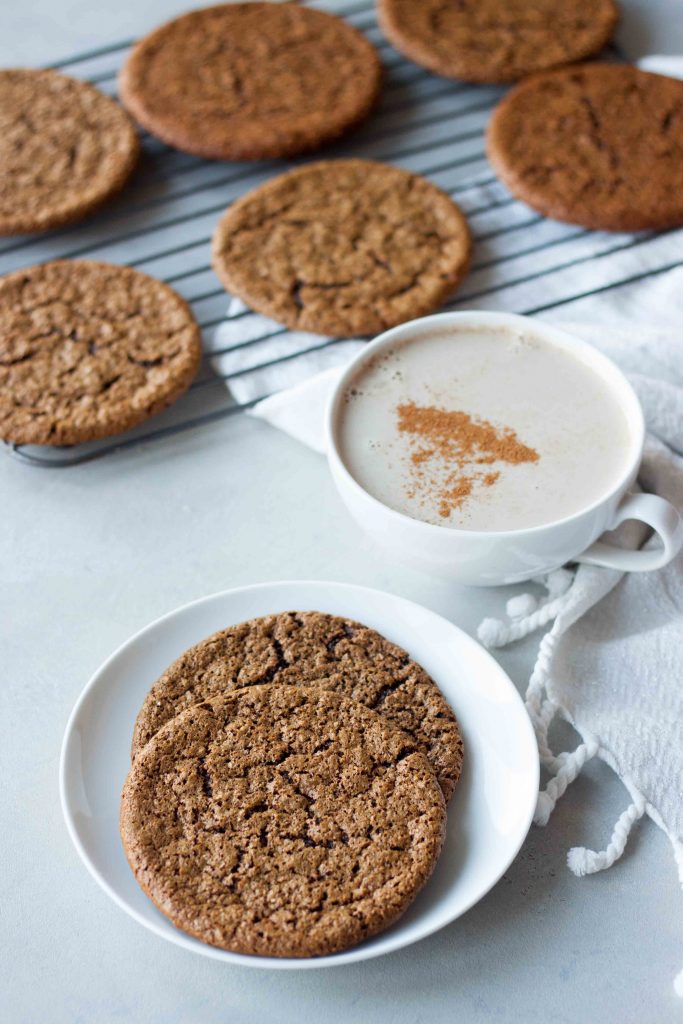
(543, 434)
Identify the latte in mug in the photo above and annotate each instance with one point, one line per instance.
(483, 428)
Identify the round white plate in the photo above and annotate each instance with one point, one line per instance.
(489, 815)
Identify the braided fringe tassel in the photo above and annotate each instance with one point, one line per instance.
(525, 614)
(566, 766)
(586, 862)
(569, 770)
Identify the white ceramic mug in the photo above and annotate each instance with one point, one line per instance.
(489, 558)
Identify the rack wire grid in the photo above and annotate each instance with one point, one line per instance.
(163, 222)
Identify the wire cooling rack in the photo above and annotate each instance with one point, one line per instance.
(163, 222)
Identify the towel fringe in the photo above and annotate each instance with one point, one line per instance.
(497, 633)
(569, 770)
(525, 615)
(582, 861)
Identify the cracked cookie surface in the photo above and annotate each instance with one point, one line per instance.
(250, 81)
(599, 145)
(65, 148)
(343, 247)
(497, 40)
(89, 349)
(281, 821)
(318, 650)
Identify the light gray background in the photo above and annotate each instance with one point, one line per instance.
(91, 554)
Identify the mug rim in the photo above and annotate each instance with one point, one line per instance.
(551, 334)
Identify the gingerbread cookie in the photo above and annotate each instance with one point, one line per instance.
(89, 349)
(318, 650)
(497, 40)
(65, 148)
(343, 247)
(248, 81)
(281, 821)
(599, 145)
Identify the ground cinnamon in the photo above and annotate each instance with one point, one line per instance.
(448, 445)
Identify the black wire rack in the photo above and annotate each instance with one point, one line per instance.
(164, 221)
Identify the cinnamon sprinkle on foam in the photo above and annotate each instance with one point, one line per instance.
(448, 445)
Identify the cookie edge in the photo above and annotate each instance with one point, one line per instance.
(79, 211)
(111, 429)
(554, 207)
(424, 57)
(280, 147)
(331, 326)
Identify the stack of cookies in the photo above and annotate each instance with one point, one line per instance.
(288, 786)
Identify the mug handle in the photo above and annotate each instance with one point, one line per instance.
(657, 513)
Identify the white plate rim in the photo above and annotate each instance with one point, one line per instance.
(355, 954)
